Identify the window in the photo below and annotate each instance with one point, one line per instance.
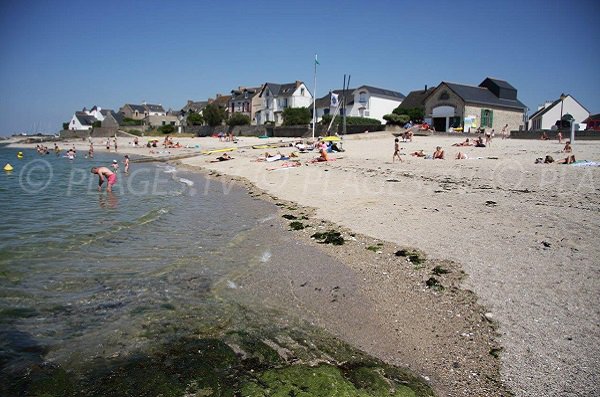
(362, 97)
(302, 91)
(285, 103)
(487, 118)
(444, 96)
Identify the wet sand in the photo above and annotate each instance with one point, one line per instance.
(524, 234)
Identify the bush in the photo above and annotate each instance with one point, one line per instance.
(97, 124)
(362, 121)
(167, 129)
(396, 119)
(66, 126)
(238, 119)
(296, 116)
(414, 114)
(127, 121)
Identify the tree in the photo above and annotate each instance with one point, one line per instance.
(238, 119)
(213, 114)
(97, 124)
(167, 129)
(195, 119)
(296, 116)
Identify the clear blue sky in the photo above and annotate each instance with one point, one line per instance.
(58, 56)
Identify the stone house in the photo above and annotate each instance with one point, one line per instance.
(139, 112)
(111, 119)
(245, 101)
(277, 97)
(491, 105)
(548, 115)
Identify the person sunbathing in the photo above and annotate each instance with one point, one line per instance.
(461, 156)
(467, 142)
(438, 154)
(418, 153)
(567, 160)
(224, 157)
(323, 156)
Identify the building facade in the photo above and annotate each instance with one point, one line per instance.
(491, 105)
(548, 115)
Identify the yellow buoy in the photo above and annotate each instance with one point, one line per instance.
(8, 167)
(20, 155)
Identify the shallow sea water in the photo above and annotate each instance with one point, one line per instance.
(94, 284)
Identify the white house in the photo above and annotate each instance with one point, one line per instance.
(276, 97)
(81, 121)
(96, 112)
(548, 115)
(374, 102)
(323, 105)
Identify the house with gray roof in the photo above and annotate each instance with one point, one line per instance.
(493, 104)
(565, 108)
(139, 112)
(245, 100)
(274, 98)
(374, 102)
(323, 104)
(416, 99)
(81, 121)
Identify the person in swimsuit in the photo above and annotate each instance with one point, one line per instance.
(126, 164)
(438, 154)
(396, 150)
(104, 173)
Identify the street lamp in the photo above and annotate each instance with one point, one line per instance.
(562, 99)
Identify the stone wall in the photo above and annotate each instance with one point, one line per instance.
(552, 135)
(501, 117)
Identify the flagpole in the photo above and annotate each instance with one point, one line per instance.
(314, 101)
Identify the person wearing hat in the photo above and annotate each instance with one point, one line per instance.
(115, 165)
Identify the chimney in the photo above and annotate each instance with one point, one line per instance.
(425, 87)
(298, 82)
(218, 96)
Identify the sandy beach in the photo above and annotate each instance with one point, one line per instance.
(524, 234)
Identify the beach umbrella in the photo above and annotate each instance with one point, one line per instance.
(332, 138)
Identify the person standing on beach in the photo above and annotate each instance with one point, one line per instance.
(91, 151)
(559, 136)
(115, 142)
(505, 132)
(108, 144)
(104, 173)
(396, 150)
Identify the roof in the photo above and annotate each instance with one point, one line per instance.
(544, 110)
(85, 119)
(324, 101)
(282, 90)
(416, 99)
(195, 106)
(382, 92)
(154, 108)
(482, 96)
(239, 94)
(139, 108)
(500, 83)
(221, 100)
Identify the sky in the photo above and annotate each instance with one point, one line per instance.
(58, 56)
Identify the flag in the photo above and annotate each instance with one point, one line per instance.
(334, 103)
(316, 62)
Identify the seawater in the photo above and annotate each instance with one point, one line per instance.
(119, 293)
